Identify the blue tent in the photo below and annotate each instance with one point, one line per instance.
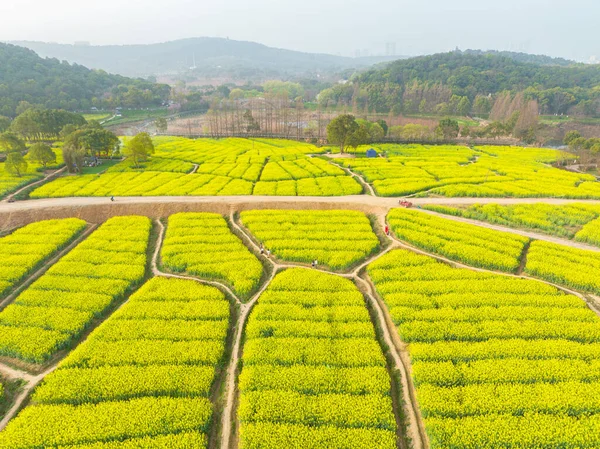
(371, 153)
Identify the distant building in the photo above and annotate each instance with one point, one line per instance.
(371, 153)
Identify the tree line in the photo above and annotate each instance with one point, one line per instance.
(81, 140)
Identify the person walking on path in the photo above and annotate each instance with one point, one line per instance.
(262, 249)
(112, 198)
(387, 229)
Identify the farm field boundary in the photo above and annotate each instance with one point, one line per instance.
(96, 209)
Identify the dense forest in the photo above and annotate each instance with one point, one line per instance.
(26, 79)
(465, 83)
(524, 57)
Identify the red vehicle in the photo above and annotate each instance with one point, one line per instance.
(405, 203)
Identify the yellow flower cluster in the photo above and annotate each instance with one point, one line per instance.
(147, 387)
(457, 171)
(225, 167)
(337, 239)
(513, 363)
(153, 164)
(556, 220)
(470, 244)
(28, 247)
(313, 373)
(575, 268)
(58, 307)
(299, 168)
(203, 245)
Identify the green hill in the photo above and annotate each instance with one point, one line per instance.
(24, 76)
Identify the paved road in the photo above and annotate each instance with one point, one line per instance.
(364, 200)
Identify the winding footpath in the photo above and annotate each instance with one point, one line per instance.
(46, 178)
(398, 354)
(414, 427)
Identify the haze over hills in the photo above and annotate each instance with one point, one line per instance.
(204, 56)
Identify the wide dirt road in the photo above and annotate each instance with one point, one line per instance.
(363, 200)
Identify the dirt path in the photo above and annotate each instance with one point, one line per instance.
(245, 308)
(157, 272)
(366, 186)
(228, 418)
(30, 383)
(414, 424)
(195, 169)
(46, 178)
(531, 234)
(415, 428)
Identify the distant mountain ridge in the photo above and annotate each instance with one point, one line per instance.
(209, 56)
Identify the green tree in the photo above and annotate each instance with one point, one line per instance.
(9, 143)
(482, 106)
(384, 126)
(74, 152)
(139, 148)
(448, 128)
(376, 132)
(340, 129)
(571, 136)
(67, 129)
(99, 141)
(464, 107)
(161, 125)
(42, 154)
(360, 136)
(15, 164)
(4, 123)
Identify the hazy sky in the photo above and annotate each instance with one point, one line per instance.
(555, 27)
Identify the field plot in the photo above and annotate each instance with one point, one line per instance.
(456, 171)
(22, 251)
(466, 243)
(9, 183)
(225, 167)
(153, 164)
(34, 172)
(336, 239)
(590, 233)
(142, 380)
(498, 362)
(233, 150)
(58, 307)
(573, 220)
(575, 268)
(313, 373)
(202, 244)
(323, 186)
